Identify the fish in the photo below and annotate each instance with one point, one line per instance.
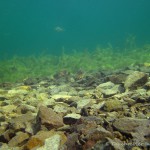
(59, 29)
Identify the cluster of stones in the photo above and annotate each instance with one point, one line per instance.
(101, 110)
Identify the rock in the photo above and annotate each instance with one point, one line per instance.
(44, 83)
(117, 78)
(111, 92)
(135, 80)
(18, 140)
(148, 93)
(3, 127)
(2, 98)
(30, 81)
(98, 106)
(54, 90)
(140, 95)
(42, 96)
(7, 135)
(48, 118)
(22, 122)
(84, 102)
(23, 109)
(31, 100)
(113, 105)
(38, 140)
(72, 103)
(109, 89)
(107, 85)
(64, 97)
(71, 141)
(15, 93)
(54, 142)
(61, 108)
(111, 116)
(147, 85)
(83, 93)
(71, 118)
(116, 144)
(34, 143)
(6, 147)
(9, 108)
(138, 128)
(2, 117)
(95, 135)
(48, 102)
(24, 87)
(3, 92)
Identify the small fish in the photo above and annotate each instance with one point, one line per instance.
(59, 29)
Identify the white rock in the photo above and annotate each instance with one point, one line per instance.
(52, 143)
(82, 103)
(57, 96)
(61, 108)
(73, 115)
(107, 85)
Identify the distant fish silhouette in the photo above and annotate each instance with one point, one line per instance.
(59, 29)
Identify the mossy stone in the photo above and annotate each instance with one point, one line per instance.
(112, 105)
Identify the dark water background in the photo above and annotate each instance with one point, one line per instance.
(28, 26)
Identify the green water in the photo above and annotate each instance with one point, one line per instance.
(28, 26)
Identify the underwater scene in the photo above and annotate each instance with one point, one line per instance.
(71, 35)
(75, 75)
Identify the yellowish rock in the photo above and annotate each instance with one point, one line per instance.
(147, 64)
(2, 92)
(66, 97)
(9, 108)
(15, 93)
(24, 87)
(42, 96)
(112, 105)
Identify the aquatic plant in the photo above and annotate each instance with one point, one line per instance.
(18, 68)
(130, 42)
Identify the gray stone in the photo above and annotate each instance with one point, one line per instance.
(135, 79)
(108, 89)
(61, 107)
(138, 128)
(107, 85)
(83, 102)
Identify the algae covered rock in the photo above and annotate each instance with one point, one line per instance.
(19, 139)
(112, 105)
(109, 89)
(135, 79)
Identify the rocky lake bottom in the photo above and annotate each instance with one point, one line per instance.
(102, 110)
